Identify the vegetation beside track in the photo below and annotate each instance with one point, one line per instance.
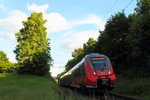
(27, 87)
(15, 86)
(136, 87)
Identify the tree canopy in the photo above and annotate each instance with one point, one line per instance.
(5, 64)
(3, 56)
(33, 50)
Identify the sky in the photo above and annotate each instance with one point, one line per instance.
(70, 23)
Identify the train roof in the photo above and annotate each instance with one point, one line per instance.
(87, 56)
(95, 55)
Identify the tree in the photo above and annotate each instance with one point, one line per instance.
(143, 7)
(5, 65)
(33, 50)
(3, 62)
(77, 52)
(70, 64)
(3, 56)
(89, 46)
(139, 38)
(112, 41)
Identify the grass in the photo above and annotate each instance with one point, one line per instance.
(15, 86)
(137, 87)
(27, 87)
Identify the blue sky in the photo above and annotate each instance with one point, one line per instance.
(70, 23)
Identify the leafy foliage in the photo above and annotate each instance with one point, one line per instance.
(5, 65)
(33, 50)
(3, 56)
(113, 42)
(139, 38)
(143, 7)
(89, 46)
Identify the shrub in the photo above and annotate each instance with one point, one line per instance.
(8, 67)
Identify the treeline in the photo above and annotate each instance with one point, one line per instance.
(125, 40)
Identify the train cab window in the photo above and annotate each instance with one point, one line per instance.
(99, 63)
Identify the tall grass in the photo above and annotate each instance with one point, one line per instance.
(15, 86)
(27, 87)
(137, 87)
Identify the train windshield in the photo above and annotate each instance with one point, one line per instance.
(99, 63)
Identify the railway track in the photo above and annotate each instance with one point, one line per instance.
(121, 97)
(111, 96)
(92, 95)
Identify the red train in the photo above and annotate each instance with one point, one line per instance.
(93, 71)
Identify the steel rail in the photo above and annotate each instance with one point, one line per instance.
(122, 97)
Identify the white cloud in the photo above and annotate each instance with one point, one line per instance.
(76, 40)
(7, 37)
(91, 19)
(56, 22)
(11, 57)
(13, 22)
(36, 8)
(57, 68)
(11, 37)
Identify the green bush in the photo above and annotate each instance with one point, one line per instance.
(5, 64)
(8, 67)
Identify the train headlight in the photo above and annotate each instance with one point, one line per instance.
(109, 72)
(94, 73)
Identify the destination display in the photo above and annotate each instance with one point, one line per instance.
(97, 58)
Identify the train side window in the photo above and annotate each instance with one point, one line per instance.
(82, 69)
(76, 72)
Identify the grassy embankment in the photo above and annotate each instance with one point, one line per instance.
(137, 87)
(28, 87)
(14, 86)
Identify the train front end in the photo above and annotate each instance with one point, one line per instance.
(99, 72)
